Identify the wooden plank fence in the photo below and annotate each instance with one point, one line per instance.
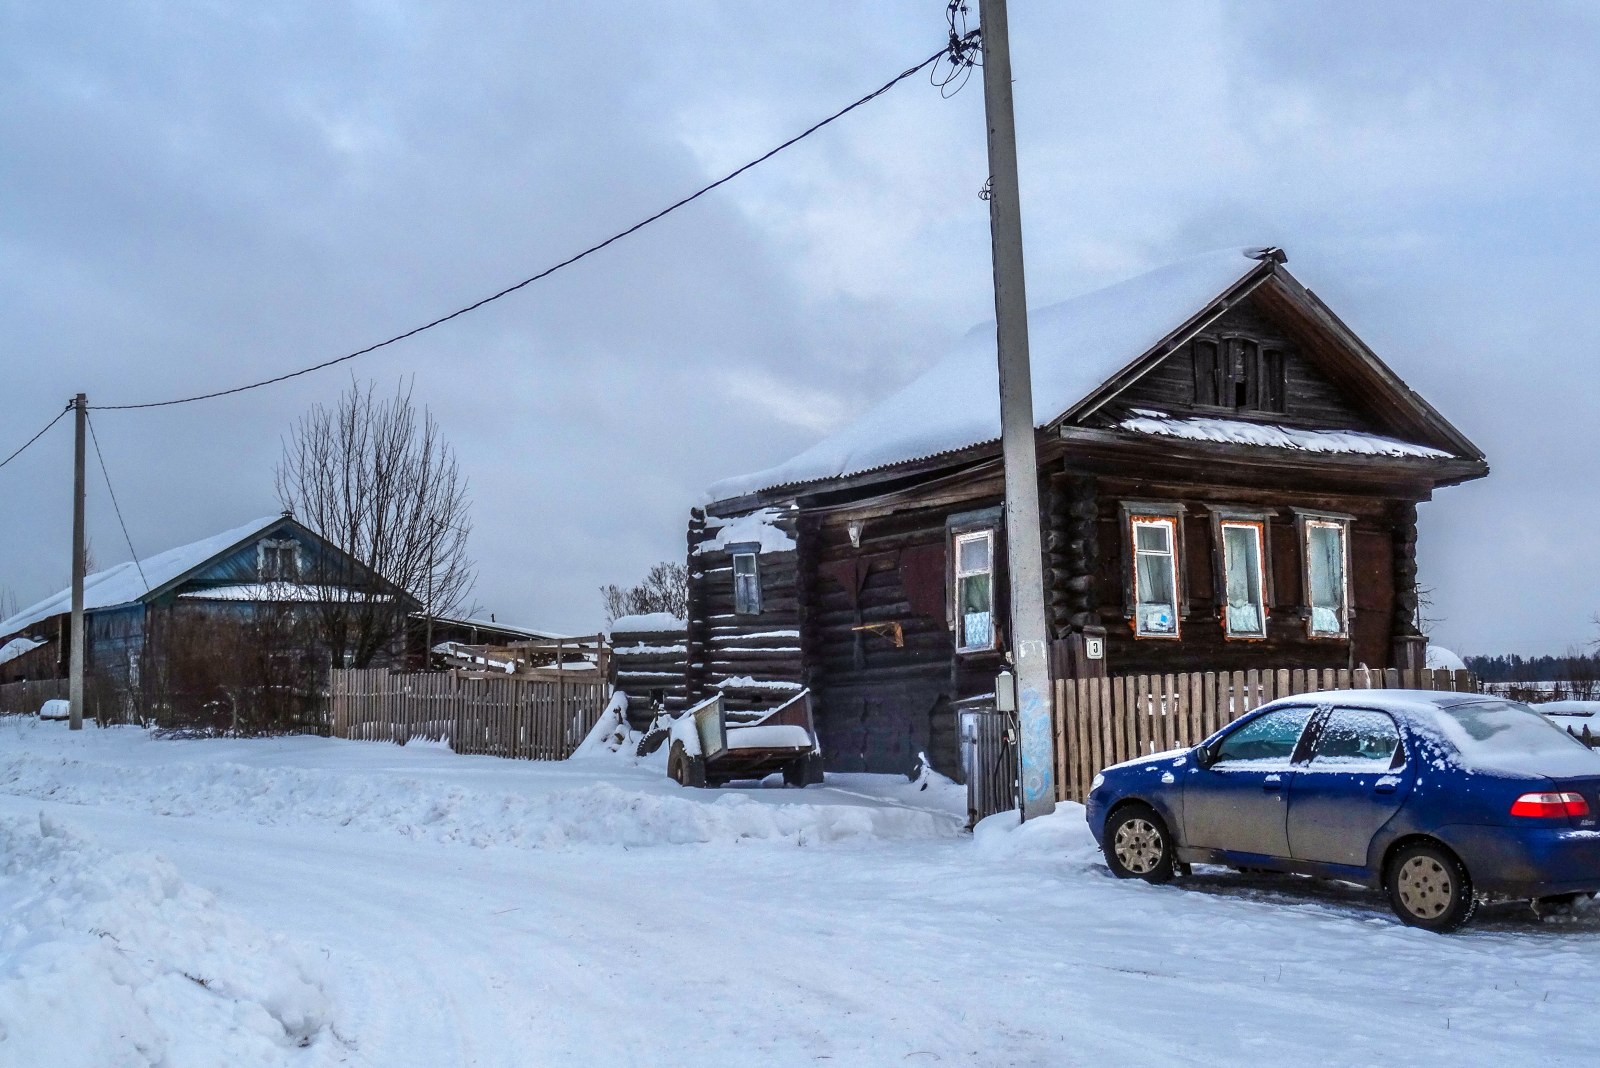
(520, 718)
(26, 697)
(1106, 721)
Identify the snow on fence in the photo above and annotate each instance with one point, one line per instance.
(522, 718)
(1106, 721)
(26, 697)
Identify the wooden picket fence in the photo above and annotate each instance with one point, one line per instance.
(521, 718)
(1106, 721)
(26, 697)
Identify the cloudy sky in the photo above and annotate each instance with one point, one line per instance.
(194, 195)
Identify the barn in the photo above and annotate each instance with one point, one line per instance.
(1229, 478)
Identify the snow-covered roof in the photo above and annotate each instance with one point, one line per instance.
(124, 584)
(1440, 658)
(278, 593)
(1074, 347)
(647, 623)
(489, 624)
(16, 647)
(1271, 435)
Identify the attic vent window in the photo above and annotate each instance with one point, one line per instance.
(279, 561)
(1239, 374)
(746, 584)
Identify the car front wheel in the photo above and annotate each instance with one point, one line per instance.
(1138, 845)
(1429, 888)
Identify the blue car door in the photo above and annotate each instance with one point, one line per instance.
(1238, 801)
(1356, 779)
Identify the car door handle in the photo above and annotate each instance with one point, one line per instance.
(1385, 788)
(1272, 782)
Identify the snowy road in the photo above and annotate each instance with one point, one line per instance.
(887, 940)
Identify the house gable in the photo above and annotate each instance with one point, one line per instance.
(1323, 375)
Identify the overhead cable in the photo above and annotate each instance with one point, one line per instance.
(37, 436)
(962, 43)
(114, 506)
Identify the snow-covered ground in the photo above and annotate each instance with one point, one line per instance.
(313, 902)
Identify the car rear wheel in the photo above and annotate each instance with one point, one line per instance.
(1138, 845)
(685, 770)
(1429, 888)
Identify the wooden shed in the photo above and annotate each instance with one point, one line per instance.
(1229, 479)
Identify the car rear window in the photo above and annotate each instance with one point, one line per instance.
(1500, 727)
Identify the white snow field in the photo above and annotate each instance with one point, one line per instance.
(313, 902)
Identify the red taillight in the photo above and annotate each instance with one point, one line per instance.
(1550, 806)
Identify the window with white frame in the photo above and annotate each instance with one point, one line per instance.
(1155, 576)
(279, 561)
(974, 590)
(1244, 611)
(1328, 577)
(746, 584)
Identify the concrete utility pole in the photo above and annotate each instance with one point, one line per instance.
(1029, 636)
(80, 410)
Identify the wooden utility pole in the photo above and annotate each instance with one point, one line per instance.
(1029, 636)
(80, 410)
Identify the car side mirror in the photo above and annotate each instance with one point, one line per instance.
(1204, 757)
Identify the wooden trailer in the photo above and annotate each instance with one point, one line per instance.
(711, 745)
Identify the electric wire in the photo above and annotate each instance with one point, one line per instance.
(114, 506)
(964, 44)
(37, 436)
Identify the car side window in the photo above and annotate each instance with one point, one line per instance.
(1270, 739)
(1357, 739)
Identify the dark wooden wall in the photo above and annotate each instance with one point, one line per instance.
(1202, 644)
(1313, 399)
(724, 645)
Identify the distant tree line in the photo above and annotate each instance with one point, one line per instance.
(1572, 666)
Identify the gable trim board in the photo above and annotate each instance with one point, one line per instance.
(1087, 351)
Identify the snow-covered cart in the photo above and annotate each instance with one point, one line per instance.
(712, 746)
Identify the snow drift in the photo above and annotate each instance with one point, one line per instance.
(112, 959)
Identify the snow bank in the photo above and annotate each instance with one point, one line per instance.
(1060, 836)
(1440, 658)
(593, 813)
(16, 647)
(112, 959)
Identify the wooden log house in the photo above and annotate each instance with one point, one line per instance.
(1229, 479)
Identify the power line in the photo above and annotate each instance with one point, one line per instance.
(962, 43)
(114, 506)
(37, 436)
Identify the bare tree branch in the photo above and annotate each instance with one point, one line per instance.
(375, 478)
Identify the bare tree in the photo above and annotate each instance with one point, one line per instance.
(1425, 620)
(374, 478)
(664, 589)
(8, 602)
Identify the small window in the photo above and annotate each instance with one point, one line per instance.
(1239, 374)
(279, 561)
(1357, 739)
(746, 585)
(1244, 614)
(1155, 576)
(974, 589)
(1271, 739)
(1206, 377)
(1327, 578)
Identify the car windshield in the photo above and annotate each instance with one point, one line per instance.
(1493, 728)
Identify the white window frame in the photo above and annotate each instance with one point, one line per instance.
(1310, 523)
(1135, 521)
(962, 537)
(755, 576)
(268, 546)
(1259, 529)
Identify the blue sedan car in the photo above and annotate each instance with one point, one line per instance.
(1440, 799)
